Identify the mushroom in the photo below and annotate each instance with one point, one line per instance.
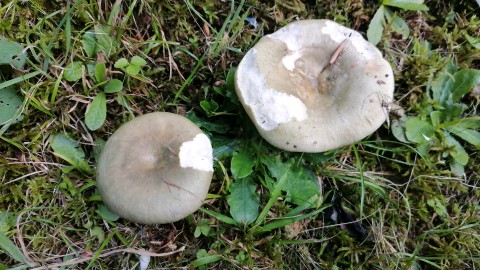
(155, 169)
(314, 85)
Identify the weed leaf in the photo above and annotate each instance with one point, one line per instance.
(89, 44)
(105, 42)
(375, 28)
(418, 130)
(11, 53)
(106, 213)
(100, 72)
(10, 103)
(406, 4)
(457, 151)
(121, 63)
(468, 135)
(463, 81)
(138, 61)
(113, 86)
(11, 249)
(398, 25)
(132, 70)
(69, 150)
(223, 218)
(243, 201)
(242, 163)
(96, 112)
(73, 71)
(301, 185)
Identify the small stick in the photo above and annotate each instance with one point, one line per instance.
(340, 49)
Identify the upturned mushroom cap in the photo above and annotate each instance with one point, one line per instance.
(314, 85)
(155, 169)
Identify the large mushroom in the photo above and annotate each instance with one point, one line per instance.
(314, 85)
(155, 169)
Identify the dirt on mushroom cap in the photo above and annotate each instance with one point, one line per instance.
(301, 100)
(141, 175)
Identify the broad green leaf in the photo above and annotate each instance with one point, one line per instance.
(223, 218)
(7, 220)
(375, 28)
(7, 246)
(89, 44)
(397, 24)
(243, 201)
(457, 151)
(288, 220)
(100, 72)
(132, 70)
(205, 260)
(406, 4)
(113, 86)
(437, 118)
(105, 42)
(121, 63)
(469, 135)
(106, 213)
(463, 81)
(464, 123)
(10, 103)
(11, 53)
(300, 184)
(96, 112)
(456, 168)
(73, 71)
(398, 130)
(138, 61)
(230, 80)
(69, 150)
(210, 107)
(443, 83)
(242, 163)
(418, 130)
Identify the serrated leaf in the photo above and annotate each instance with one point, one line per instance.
(242, 163)
(132, 70)
(113, 86)
(69, 150)
(10, 103)
(375, 28)
(89, 44)
(406, 4)
(138, 61)
(96, 112)
(468, 135)
(100, 72)
(457, 151)
(11, 53)
(418, 130)
(73, 71)
(243, 201)
(463, 81)
(121, 63)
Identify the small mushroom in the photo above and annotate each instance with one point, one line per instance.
(314, 85)
(155, 169)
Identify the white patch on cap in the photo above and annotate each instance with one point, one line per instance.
(270, 107)
(197, 154)
(339, 33)
(289, 59)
